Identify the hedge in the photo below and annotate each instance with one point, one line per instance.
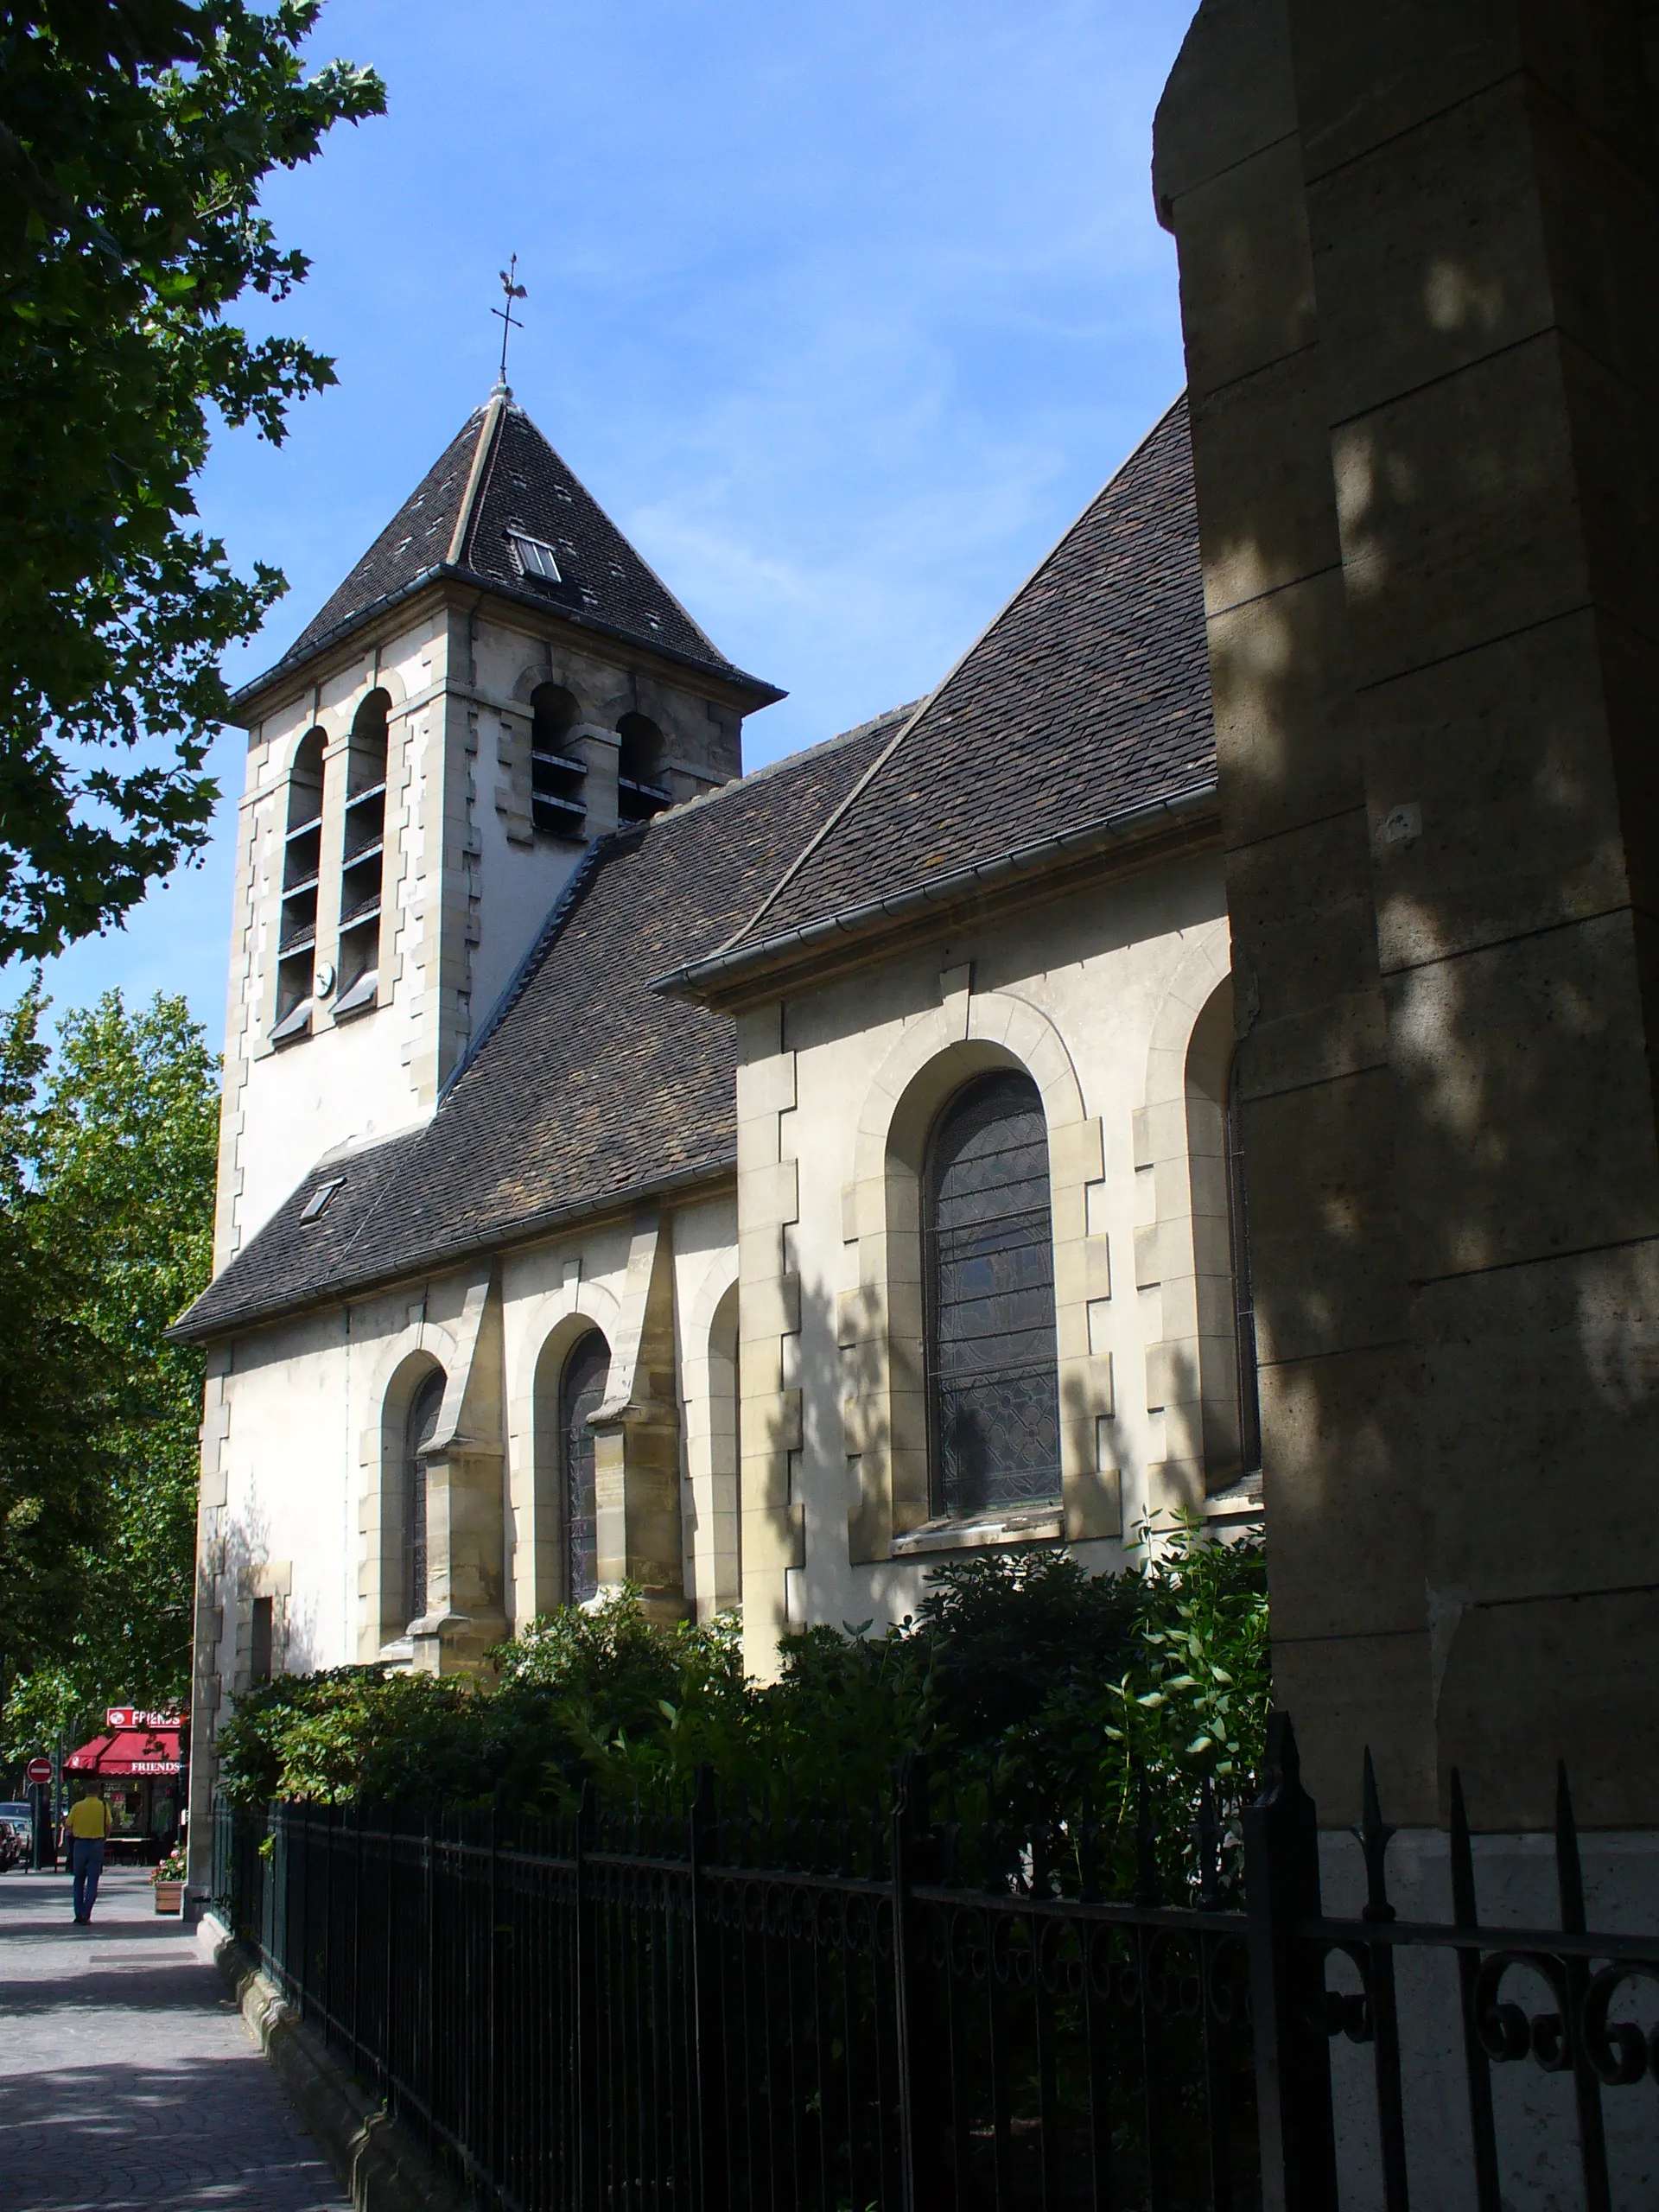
(1036, 1692)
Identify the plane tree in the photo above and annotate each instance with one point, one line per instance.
(135, 138)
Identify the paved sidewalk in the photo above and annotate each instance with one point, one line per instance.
(126, 2075)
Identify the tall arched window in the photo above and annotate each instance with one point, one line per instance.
(581, 1392)
(640, 790)
(363, 859)
(418, 1433)
(297, 935)
(993, 1375)
(1238, 1224)
(557, 805)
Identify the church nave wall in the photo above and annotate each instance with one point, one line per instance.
(837, 1090)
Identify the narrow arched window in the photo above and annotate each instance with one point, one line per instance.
(1238, 1224)
(363, 860)
(993, 1378)
(296, 935)
(419, 1430)
(581, 1392)
(723, 1556)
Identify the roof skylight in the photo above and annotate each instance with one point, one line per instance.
(535, 557)
(320, 1198)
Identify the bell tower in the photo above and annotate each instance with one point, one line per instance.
(499, 682)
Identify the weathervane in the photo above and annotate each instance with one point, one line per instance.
(510, 322)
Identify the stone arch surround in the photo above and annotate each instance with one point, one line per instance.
(879, 1322)
(546, 1331)
(402, 1359)
(1181, 1251)
(711, 1442)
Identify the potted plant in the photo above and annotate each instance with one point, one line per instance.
(168, 1881)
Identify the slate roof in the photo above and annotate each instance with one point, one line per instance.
(522, 485)
(587, 1087)
(1086, 700)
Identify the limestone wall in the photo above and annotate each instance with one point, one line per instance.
(1419, 250)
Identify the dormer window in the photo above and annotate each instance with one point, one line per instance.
(535, 557)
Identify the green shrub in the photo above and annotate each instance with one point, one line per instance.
(1035, 1692)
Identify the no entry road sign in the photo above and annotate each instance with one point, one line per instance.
(38, 1770)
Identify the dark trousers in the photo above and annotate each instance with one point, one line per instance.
(86, 1863)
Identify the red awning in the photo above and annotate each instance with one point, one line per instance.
(126, 1751)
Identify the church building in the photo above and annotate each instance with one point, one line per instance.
(759, 1188)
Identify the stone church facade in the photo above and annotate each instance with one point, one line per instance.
(761, 1188)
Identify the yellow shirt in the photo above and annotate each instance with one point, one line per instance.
(87, 1818)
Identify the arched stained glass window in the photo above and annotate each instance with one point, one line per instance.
(422, 1425)
(581, 1392)
(993, 1380)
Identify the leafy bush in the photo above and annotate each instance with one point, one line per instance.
(1036, 1693)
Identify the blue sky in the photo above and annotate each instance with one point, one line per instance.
(843, 313)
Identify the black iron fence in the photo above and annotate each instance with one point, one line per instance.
(729, 2007)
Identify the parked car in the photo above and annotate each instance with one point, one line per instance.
(16, 1833)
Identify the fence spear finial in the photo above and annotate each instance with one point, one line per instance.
(1375, 1835)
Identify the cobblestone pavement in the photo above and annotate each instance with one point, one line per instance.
(126, 2075)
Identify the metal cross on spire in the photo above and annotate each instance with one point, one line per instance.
(510, 322)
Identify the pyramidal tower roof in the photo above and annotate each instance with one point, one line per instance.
(499, 480)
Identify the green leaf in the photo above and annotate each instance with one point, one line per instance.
(134, 228)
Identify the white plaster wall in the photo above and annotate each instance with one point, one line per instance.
(305, 1401)
(1098, 967)
(518, 883)
(291, 1487)
(304, 1397)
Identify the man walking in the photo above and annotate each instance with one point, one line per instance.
(86, 1825)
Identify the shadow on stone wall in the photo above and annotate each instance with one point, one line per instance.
(1417, 255)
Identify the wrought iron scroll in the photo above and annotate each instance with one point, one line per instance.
(1574, 2034)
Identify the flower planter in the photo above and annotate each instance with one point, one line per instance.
(169, 1897)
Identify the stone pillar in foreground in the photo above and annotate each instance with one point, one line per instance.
(1420, 279)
